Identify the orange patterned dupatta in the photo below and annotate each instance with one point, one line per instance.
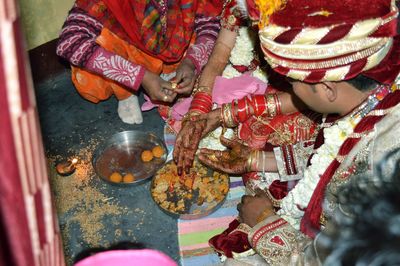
(161, 30)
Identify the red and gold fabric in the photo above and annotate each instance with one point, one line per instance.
(233, 241)
(232, 18)
(279, 130)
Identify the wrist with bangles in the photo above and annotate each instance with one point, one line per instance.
(189, 116)
(202, 100)
(264, 215)
(257, 162)
(205, 89)
(238, 111)
(252, 161)
(227, 116)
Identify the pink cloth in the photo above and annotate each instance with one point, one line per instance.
(225, 90)
(138, 257)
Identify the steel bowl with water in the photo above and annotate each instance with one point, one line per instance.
(122, 153)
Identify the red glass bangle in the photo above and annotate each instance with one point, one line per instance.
(201, 102)
(260, 104)
(241, 110)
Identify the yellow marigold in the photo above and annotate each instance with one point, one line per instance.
(267, 8)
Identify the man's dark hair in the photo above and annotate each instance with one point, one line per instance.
(367, 230)
(363, 83)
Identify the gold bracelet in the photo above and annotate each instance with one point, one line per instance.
(205, 89)
(266, 213)
(188, 116)
(227, 115)
(249, 162)
(271, 105)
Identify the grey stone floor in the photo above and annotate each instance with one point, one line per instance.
(69, 123)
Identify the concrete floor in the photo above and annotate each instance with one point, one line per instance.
(69, 124)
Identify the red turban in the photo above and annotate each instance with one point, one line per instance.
(332, 40)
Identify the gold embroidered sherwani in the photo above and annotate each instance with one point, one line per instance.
(279, 243)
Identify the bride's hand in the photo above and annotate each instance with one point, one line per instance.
(231, 161)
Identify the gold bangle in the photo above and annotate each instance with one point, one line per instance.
(188, 116)
(271, 105)
(266, 213)
(205, 89)
(227, 115)
(249, 162)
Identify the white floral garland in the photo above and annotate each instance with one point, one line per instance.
(297, 200)
(243, 54)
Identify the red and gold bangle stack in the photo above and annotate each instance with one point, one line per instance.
(243, 109)
(227, 115)
(273, 105)
(256, 105)
(202, 101)
(278, 104)
(259, 104)
(238, 111)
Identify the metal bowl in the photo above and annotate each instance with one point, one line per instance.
(122, 154)
(193, 209)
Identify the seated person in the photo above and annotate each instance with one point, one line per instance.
(365, 229)
(351, 74)
(365, 226)
(116, 46)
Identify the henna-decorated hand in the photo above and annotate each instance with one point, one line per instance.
(187, 143)
(213, 120)
(231, 161)
(189, 137)
(254, 209)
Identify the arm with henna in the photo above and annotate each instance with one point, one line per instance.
(193, 129)
(238, 158)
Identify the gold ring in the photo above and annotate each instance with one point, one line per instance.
(165, 98)
(174, 85)
(213, 158)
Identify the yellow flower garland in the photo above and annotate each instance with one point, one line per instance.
(267, 8)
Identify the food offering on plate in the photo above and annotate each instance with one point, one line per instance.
(129, 157)
(189, 196)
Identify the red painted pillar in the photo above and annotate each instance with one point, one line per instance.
(29, 234)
